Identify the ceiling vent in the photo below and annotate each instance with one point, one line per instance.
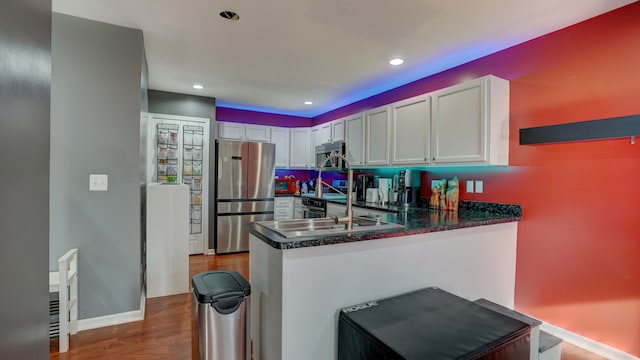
(230, 15)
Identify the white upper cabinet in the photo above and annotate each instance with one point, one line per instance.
(328, 133)
(377, 136)
(229, 130)
(470, 122)
(464, 124)
(246, 132)
(354, 126)
(337, 130)
(322, 134)
(280, 137)
(411, 129)
(299, 148)
(258, 133)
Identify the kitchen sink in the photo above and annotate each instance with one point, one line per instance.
(325, 226)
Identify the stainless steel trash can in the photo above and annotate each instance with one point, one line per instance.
(220, 306)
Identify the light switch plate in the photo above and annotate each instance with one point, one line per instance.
(479, 186)
(470, 186)
(98, 182)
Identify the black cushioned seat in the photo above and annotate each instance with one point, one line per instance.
(429, 324)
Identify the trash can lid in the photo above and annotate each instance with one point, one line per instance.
(220, 284)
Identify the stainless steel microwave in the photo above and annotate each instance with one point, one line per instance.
(322, 151)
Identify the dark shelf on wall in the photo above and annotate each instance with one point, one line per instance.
(618, 127)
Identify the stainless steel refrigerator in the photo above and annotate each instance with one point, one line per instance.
(244, 191)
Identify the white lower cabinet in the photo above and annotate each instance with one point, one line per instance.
(283, 208)
(297, 208)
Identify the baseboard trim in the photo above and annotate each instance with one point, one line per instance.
(587, 344)
(114, 319)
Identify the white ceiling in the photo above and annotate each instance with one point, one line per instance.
(332, 52)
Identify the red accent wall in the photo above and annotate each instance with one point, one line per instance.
(578, 255)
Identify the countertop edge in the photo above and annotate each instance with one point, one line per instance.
(267, 236)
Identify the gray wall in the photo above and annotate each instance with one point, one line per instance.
(25, 75)
(162, 102)
(95, 129)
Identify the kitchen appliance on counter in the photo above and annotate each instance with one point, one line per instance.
(244, 191)
(407, 189)
(285, 185)
(384, 185)
(363, 182)
(373, 195)
(323, 151)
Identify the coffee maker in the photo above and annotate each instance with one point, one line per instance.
(407, 193)
(363, 182)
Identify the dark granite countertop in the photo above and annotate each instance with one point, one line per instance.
(416, 221)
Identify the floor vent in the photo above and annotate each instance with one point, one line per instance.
(54, 315)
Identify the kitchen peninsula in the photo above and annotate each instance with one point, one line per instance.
(300, 284)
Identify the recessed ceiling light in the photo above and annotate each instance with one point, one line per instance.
(230, 15)
(308, 102)
(396, 62)
(197, 86)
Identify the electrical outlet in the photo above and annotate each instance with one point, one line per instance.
(479, 186)
(98, 182)
(470, 186)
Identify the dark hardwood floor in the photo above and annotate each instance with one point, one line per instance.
(165, 333)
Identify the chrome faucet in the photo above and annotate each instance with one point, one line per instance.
(348, 218)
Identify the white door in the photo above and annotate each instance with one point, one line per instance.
(191, 168)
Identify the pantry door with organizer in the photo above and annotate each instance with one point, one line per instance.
(178, 152)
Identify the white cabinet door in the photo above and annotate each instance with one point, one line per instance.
(229, 130)
(297, 208)
(299, 147)
(280, 137)
(470, 122)
(377, 136)
(411, 129)
(283, 208)
(324, 134)
(314, 136)
(354, 126)
(257, 133)
(247, 132)
(337, 130)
